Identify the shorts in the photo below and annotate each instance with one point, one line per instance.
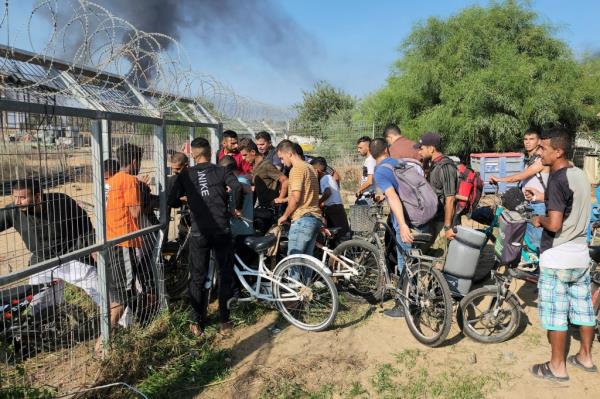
(120, 272)
(564, 297)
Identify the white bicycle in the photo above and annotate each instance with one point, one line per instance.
(299, 285)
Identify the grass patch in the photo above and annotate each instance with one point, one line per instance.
(293, 390)
(18, 392)
(162, 358)
(357, 391)
(248, 313)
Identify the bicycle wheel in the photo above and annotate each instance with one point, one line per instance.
(366, 260)
(304, 277)
(427, 305)
(484, 320)
(177, 276)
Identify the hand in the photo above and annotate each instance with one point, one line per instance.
(183, 199)
(450, 234)
(280, 200)
(532, 194)
(536, 221)
(379, 198)
(405, 234)
(357, 194)
(236, 213)
(496, 180)
(144, 179)
(94, 256)
(281, 220)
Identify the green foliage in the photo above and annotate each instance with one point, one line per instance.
(322, 103)
(482, 77)
(26, 392)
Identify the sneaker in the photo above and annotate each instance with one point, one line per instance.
(226, 328)
(395, 313)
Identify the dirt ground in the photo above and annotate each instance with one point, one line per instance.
(363, 342)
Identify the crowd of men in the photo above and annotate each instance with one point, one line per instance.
(255, 185)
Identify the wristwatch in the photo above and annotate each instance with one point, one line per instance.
(447, 227)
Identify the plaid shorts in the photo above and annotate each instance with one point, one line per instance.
(564, 296)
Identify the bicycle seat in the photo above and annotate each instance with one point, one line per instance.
(421, 239)
(260, 244)
(595, 253)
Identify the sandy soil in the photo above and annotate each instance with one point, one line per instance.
(364, 339)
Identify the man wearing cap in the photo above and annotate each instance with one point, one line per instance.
(443, 178)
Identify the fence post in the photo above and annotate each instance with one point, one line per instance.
(100, 224)
(215, 140)
(160, 148)
(106, 139)
(373, 134)
(191, 137)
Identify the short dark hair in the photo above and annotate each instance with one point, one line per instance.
(230, 134)
(249, 146)
(319, 161)
(228, 162)
(180, 158)
(287, 146)
(364, 139)
(377, 147)
(128, 152)
(263, 135)
(203, 145)
(391, 130)
(31, 184)
(532, 131)
(559, 139)
(299, 150)
(111, 166)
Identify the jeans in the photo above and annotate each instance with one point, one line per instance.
(533, 235)
(199, 258)
(303, 235)
(403, 247)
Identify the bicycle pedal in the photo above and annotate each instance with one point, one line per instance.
(232, 302)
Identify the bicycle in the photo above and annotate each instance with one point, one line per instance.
(299, 285)
(502, 310)
(421, 289)
(355, 262)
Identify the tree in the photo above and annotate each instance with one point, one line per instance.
(322, 103)
(480, 78)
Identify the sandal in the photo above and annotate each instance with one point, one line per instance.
(543, 371)
(572, 360)
(196, 331)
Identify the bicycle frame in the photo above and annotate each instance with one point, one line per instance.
(346, 270)
(264, 275)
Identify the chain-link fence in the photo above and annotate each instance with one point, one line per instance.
(82, 212)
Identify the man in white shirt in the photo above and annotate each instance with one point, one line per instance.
(331, 200)
(366, 180)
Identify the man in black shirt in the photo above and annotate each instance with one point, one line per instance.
(443, 178)
(50, 224)
(205, 186)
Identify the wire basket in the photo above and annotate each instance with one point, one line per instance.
(361, 220)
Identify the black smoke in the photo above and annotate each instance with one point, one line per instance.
(259, 26)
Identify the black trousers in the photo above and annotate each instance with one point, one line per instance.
(199, 259)
(335, 216)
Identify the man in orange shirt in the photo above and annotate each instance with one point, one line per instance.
(123, 216)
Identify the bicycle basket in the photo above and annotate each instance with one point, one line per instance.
(361, 219)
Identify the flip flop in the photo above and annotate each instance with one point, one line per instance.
(546, 373)
(575, 362)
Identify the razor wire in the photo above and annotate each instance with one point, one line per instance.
(116, 54)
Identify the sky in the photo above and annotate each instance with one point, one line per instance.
(351, 44)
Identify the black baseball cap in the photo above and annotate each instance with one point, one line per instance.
(432, 139)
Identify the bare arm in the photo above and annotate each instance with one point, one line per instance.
(293, 201)
(398, 211)
(449, 210)
(366, 184)
(283, 181)
(325, 196)
(553, 222)
(532, 170)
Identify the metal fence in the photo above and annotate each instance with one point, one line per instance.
(72, 267)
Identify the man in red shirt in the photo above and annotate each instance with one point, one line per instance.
(400, 146)
(229, 146)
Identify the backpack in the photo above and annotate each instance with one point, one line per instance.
(468, 190)
(417, 196)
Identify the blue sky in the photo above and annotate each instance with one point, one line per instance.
(353, 43)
